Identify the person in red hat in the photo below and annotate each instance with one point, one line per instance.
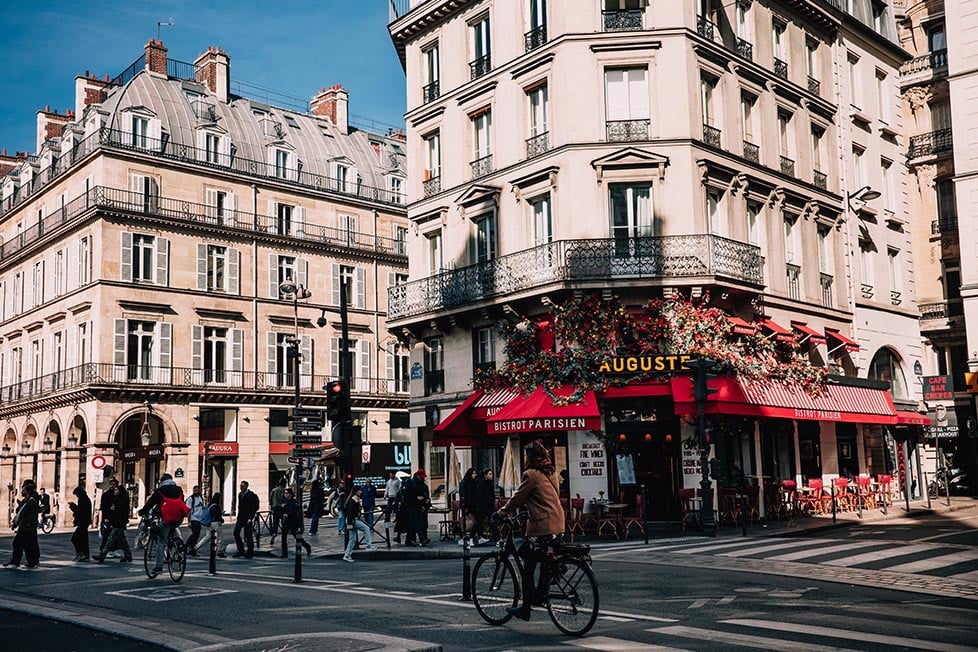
(417, 500)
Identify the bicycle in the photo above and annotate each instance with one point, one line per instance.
(175, 555)
(46, 523)
(572, 591)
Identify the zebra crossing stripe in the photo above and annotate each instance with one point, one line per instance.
(743, 640)
(609, 644)
(760, 549)
(848, 634)
(815, 552)
(896, 551)
(717, 546)
(932, 563)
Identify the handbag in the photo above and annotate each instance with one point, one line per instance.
(469, 522)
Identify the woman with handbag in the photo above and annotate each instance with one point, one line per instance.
(472, 513)
(25, 522)
(353, 510)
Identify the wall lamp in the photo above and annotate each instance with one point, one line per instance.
(858, 199)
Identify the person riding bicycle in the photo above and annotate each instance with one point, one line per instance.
(538, 491)
(44, 501)
(167, 489)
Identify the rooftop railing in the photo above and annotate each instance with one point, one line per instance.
(676, 256)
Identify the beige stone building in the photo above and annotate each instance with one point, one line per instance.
(142, 323)
(750, 151)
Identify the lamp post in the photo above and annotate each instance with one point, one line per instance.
(290, 287)
(702, 369)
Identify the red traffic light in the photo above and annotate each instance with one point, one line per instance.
(336, 387)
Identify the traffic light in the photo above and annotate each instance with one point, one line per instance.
(356, 438)
(702, 369)
(338, 401)
(339, 437)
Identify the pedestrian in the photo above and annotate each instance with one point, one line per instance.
(317, 500)
(168, 503)
(196, 504)
(248, 505)
(214, 520)
(341, 494)
(470, 507)
(392, 491)
(25, 523)
(368, 498)
(275, 500)
(353, 509)
(486, 490)
(115, 506)
(417, 500)
(82, 519)
(44, 502)
(104, 511)
(291, 523)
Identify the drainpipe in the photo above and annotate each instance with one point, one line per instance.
(254, 273)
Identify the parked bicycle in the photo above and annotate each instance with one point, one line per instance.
(175, 555)
(572, 594)
(46, 523)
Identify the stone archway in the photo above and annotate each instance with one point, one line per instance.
(8, 475)
(27, 460)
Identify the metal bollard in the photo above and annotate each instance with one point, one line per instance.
(466, 572)
(832, 493)
(297, 570)
(212, 562)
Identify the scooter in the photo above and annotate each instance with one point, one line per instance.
(958, 481)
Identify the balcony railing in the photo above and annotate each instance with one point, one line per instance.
(536, 145)
(814, 86)
(896, 297)
(622, 20)
(479, 67)
(431, 92)
(142, 376)
(431, 186)
(944, 225)
(780, 68)
(677, 256)
(930, 144)
(941, 309)
(706, 28)
(745, 49)
(434, 381)
(820, 179)
(625, 130)
(787, 166)
(793, 273)
(535, 38)
(752, 152)
(481, 166)
(825, 280)
(935, 60)
(711, 136)
(866, 290)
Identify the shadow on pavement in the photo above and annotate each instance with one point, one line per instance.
(20, 631)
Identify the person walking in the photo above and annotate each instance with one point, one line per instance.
(417, 500)
(353, 508)
(291, 523)
(486, 490)
(196, 505)
(317, 500)
(25, 523)
(82, 518)
(392, 492)
(157, 504)
(275, 500)
(248, 505)
(104, 511)
(368, 498)
(115, 511)
(215, 519)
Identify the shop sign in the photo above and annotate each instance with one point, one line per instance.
(218, 448)
(592, 459)
(143, 453)
(645, 363)
(938, 388)
(558, 423)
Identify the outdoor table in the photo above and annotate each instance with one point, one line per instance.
(445, 524)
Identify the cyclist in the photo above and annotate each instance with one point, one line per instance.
(538, 491)
(44, 500)
(166, 489)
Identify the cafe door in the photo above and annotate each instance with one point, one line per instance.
(845, 434)
(809, 450)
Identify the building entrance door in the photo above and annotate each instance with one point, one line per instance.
(809, 450)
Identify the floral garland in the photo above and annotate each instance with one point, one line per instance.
(589, 330)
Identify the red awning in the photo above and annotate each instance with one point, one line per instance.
(458, 427)
(537, 413)
(781, 333)
(739, 326)
(841, 339)
(912, 419)
(774, 399)
(638, 390)
(814, 336)
(492, 402)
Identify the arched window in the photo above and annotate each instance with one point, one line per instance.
(886, 366)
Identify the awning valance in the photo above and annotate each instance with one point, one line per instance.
(638, 390)
(912, 419)
(537, 413)
(459, 427)
(841, 339)
(780, 333)
(813, 335)
(740, 326)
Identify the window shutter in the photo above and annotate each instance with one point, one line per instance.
(231, 203)
(211, 201)
(273, 216)
(360, 288)
(299, 221)
(273, 276)
(302, 271)
(119, 343)
(125, 265)
(234, 274)
(138, 187)
(638, 94)
(271, 356)
(237, 350)
(28, 293)
(363, 370)
(3, 300)
(616, 94)
(166, 344)
(224, 147)
(201, 267)
(334, 357)
(305, 368)
(353, 180)
(155, 132)
(162, 261)
(336, 283)
(71, 348)
(197, 347)
(5, 367)
(75, 271)
(390, 365)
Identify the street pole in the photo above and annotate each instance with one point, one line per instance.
(701, 391)
(297, 571)
(345, 376)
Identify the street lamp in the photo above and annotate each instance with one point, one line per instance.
(6, 450)
(48, 443)
(857, 200)
(145, 433)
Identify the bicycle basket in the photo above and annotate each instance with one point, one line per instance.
(573, 549)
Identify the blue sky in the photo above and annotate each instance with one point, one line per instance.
(295, 47)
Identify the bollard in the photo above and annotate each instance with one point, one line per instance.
(645, 518)
(212, 562)
(466, 572)
(297, 572)
(859, 497)
(832, 493)
(743, 512)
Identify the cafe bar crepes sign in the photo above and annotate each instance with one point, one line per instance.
(645, 363)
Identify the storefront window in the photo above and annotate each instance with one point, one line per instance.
(886, 367)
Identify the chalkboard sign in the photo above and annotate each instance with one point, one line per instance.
(626, 470)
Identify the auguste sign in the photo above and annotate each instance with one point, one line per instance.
(639, 363)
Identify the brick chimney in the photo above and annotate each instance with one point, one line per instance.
(398, 134)
(49, 125)
(8, 162)
(88, 90)
(332, 103)
(213, 70)
(156, 57)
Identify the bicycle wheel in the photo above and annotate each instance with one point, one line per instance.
(494, 587)
(176, 559)
(149, 555)
(573, 596)
(47, 524)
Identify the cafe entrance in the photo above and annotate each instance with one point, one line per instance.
(140, 442)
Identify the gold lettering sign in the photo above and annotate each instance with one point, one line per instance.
(645, 363)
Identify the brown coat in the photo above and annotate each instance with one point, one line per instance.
(538, 491)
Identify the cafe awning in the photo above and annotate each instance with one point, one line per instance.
(912, 419)
(537, 413)
(740, 326)
(780, 333)
(844, 403)
(459, 428)
(841, 340)
(813, 335)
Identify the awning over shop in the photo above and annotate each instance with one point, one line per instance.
(492, 402)
(780, 333)
(773, 399)
(459, 427)
(813, 335)
(740, 326)
(912, 419)
(841, 340)
(537, 413)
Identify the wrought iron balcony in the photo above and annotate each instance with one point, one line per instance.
(787, 166)
(825, 280)
(626, 130)
(947, 224)
(745, 49)
(431, 186)
(481, 166)
(793, 273)
(536, 145)
(931, 143)
(601, 259)
(936, 60)
(431, 92)
(711, 136)
(481, 66)
(820, 179)
(941, 309)
(535, 38)
(706, 28)
(814, 86)
(622, 20)
(895, 297)
(780, 68)
(752, 152)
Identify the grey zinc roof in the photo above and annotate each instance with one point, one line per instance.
(168, 99)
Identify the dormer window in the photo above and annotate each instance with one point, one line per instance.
(213, 147)
(144, 129)
(140, 131)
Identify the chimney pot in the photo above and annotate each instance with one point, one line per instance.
(213, 69)
(156, 57)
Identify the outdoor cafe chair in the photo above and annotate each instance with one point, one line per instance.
(814, 501)
(687, 508)
(634, 519)
(575, 522)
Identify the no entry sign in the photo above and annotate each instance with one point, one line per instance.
(98, 462)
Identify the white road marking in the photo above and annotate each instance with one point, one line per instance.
(759, 549)
(932, 563)
(698, 604)
(727, 600)
(949, 534)
(730, 638)
(833, 632)
(608, 644)
(973, 575)
(616, 619)
(815, 552)
(865, 558)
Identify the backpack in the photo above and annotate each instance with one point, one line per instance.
(206, 517)
(173, 510)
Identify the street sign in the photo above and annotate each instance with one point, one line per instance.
(295, 460)
(303, 438)
(314, 413)
(98, 462)
(305, 426)
(307, 452)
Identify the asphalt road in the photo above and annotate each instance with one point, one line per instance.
(672, 594)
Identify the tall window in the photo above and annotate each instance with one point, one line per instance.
(140, 132)
(431, 66)
(886, 170)
(896, 274)
(215, 354)
(867, 267)
(708, 86)
(481, 136)
(825, 258)
(778, 38)
(716, 219)
(853, 68)
(399, 367)
(538, 110)
(538, 13)
(143, 249)
(217, 262)
(432, 156)
(342, 177)
(436, 262)
(38, 285)
(84, 260)
(543, 230)
(395, 186)
(485, 238)
(785, 144)
(434, 365)
(287, 270)
(743, 21)
(754, 223)
(400, 239)
(627, 94)
(480, 46)
(936, 37)
(631, 215)
(83, 346)
(139, 349)
(817, 144)
(212, 148)
(947, 211)
(348, 273)
(811, 58)
(940, 116)
(883, 95)
(747, 103)
(484, 348)
(858, 167)
(792, 240)
(60, 271)
(282, 164)
(283, 219)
